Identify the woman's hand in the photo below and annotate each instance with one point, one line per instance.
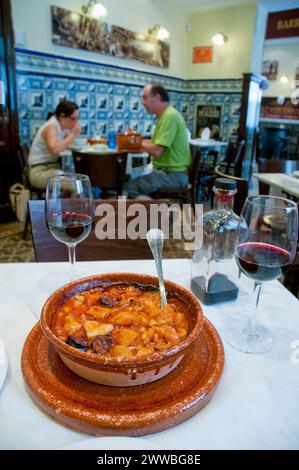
(51, 138)
(76, 130)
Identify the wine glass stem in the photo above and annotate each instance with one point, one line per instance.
(72, 260)
(252, 317)
(72, 253)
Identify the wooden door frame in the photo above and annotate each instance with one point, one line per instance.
(9, 113)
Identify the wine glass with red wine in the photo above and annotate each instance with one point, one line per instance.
(269, 244)
(69, 210)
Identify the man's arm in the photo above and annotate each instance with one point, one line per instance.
(153, 149)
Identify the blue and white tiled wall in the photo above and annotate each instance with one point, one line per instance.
(109, 96)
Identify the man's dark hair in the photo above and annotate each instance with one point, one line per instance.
(65, 107)
(157, 89)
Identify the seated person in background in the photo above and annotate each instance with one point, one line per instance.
(51, 139)
(169, 147)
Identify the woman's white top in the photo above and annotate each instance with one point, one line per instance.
(39, 151)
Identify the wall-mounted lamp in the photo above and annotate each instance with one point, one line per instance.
(159, 32)
(94, 9)
(219, 39)
(284, 80)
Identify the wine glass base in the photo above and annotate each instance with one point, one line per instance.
(258, 340)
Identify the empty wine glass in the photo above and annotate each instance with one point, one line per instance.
(69, 210)
(269, 244)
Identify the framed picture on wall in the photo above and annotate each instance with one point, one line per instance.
(270, 69)
(72, 29)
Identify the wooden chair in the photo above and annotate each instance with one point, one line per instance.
(108, 171)
(267, 165)
(291, 276)
(189, 194)
(92, 249)
(22, 154)
(242, 189)
(232, 163)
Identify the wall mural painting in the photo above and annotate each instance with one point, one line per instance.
(82, 32)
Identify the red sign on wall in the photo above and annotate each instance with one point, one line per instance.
(283, 24)
(202, 54)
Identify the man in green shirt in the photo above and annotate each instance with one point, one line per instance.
(168, 147)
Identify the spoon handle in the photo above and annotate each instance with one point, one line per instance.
(155, 240)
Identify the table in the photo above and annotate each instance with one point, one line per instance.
(286, 183)
(106, 169)
(130, 170)
(209, 144)
(256, 405)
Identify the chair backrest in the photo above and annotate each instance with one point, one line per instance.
(22, 154)
(92, 249)
(266, 165)
(194, 175)
(233, 157)
(242, 189)
(105, 170)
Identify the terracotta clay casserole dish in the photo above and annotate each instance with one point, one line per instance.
(111, 330)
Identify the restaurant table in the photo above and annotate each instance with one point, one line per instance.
(209, 144)
(288, 184)
(106, 169)
(256, 405)
(143, 156)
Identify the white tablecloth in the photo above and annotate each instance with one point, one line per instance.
(208, 144)
(287, 183)
(256, 405)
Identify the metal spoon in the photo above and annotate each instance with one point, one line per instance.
(155, 239)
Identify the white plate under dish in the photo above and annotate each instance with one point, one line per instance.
(114, 443)
(3, 364)
(296, 173)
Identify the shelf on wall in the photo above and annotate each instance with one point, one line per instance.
(280, 121)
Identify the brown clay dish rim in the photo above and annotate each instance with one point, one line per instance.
(85, 416)
(89, 282)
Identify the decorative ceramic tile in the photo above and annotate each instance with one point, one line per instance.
(36, 100)
(82, 100)
(108, 96)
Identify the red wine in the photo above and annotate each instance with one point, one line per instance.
(70, 227)
(261, 261)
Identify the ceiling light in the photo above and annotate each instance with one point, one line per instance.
(95, 9)
(159, 32)
(219, 39)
